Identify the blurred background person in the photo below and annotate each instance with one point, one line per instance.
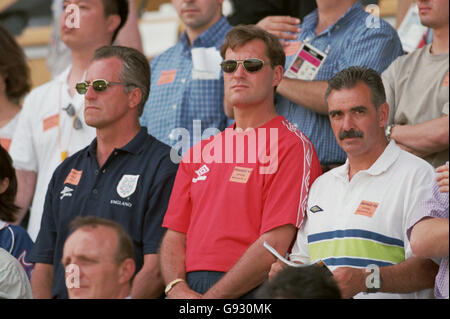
(60, 55)
(14, 239)
(14, 84)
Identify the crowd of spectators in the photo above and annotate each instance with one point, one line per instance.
(301, 124)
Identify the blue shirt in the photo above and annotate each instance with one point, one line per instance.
(181, 100)
(351, 43)
(132, 188)
(16, 241)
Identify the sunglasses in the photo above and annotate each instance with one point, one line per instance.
(70, 110)
(98, 86)
(250, 65)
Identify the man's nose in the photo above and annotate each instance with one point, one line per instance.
(348, 122)
(90, 93)
(240, 71)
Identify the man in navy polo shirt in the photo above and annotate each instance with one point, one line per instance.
(125, 175)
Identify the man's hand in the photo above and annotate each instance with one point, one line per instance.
(182, 291)
(351, 281)
(284, 27)
(442, 178)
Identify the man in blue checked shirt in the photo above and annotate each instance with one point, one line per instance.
(339, 34)
(187, 83)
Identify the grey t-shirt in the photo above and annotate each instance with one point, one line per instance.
(417, 91)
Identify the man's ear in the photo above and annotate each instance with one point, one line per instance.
(278, 75)
(4, 184)
(127, 269)
(113, 22)
(134, 97)
(383, 114)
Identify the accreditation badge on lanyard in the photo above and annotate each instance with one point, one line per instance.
(307, 63)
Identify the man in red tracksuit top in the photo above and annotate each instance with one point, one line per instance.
(240, 188)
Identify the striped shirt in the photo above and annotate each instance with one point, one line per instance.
(177, 98)
(437, 207)
(350, 43)
(363, 222)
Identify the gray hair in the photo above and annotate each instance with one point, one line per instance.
(352, 76)
(135, 71)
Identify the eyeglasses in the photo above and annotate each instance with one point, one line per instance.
(250, 65)
(70, 110)
(98, 85)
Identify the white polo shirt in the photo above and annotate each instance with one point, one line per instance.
(44, 131)
(364, 221)
(7, 131)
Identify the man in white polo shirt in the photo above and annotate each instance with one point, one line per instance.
(357, 214)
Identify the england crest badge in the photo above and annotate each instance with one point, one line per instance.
(127, 185)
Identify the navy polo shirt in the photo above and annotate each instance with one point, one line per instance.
(132, 188)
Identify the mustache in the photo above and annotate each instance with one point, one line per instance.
(350, 134)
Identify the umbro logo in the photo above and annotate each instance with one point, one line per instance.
(201, 174)
(315, 209)
(66, 192)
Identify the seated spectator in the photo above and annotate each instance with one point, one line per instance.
(429, 233)
(14, 239)
(310, 282)
(360, 231)
(14, 84)
(98, 259)
(51, 126)
(333, 37)
(14, 283)
(417, 88)
(213, 246)
(187, 83)
(125, 175)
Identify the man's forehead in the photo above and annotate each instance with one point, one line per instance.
(108, 67)
(350, 95)
(253, 48)
(91, 237)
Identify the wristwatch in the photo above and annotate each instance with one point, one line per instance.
(172, 284)
(389, 131)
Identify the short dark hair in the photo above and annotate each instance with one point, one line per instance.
(352, 76)
(119, 7)
(13, 66)
(135, 69)
(309, 282)
(125, 245)
(8, 209)
(243, 34)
